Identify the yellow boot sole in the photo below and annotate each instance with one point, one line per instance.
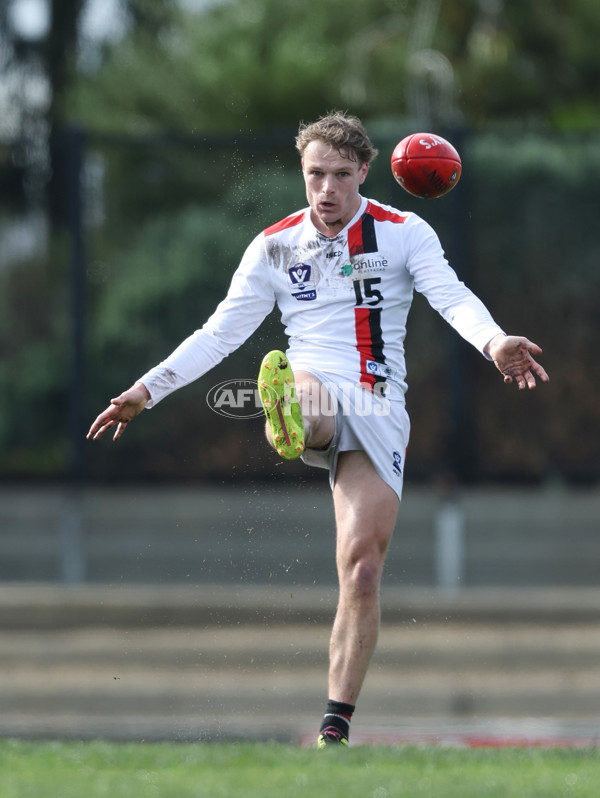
(281, 406)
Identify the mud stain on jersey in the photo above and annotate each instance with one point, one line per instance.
(283, 257)
(326, 257)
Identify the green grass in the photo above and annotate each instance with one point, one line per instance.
(91, 770)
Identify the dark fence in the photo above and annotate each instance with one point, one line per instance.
(138, 243)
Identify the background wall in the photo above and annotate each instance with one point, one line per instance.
(283, 536)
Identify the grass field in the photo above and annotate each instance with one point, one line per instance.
(90, 770)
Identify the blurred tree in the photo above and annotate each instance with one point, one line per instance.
(244, 64)
(535, 60)
(38, 66)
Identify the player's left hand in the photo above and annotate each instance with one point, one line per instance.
(512, 355)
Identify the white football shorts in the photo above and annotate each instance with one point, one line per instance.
(364, 421)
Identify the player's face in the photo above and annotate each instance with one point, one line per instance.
(332, 186)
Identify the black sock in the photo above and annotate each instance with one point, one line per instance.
(337, 718)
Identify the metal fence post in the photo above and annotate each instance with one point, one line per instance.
(72, 558)
(449, 547)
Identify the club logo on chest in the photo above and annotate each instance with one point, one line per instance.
(301, 285)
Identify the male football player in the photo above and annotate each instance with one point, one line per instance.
(342, 272)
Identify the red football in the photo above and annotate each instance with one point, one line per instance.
(426, 165)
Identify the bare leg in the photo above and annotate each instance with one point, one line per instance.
(319, 422)
(365, 510)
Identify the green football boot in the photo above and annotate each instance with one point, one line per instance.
(281, 406)
(331, 739)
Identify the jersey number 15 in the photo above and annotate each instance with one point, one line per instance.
(365, 291)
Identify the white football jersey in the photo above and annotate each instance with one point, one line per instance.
(344, 301)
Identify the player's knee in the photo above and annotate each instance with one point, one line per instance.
(319, 432)
(360, 578)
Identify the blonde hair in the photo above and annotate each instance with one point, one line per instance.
(342, 132)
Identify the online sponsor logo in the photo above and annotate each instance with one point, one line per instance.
(237, 399)
(365, 265)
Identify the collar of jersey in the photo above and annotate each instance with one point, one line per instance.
(361, 209)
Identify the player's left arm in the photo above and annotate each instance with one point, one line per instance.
(512, 355)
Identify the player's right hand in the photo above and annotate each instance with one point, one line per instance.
(120, 412)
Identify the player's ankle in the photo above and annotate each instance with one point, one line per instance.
(336, 719)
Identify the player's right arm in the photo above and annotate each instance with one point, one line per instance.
(121, 410)
(250, 298)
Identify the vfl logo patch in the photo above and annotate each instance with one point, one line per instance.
(397, 464)
(379, 369)
(300, 283)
